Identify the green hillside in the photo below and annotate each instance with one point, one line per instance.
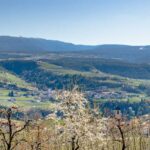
(8, 78)
(20, 88)
(52, 72)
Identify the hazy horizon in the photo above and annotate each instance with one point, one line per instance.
(88, 22)
(87, 44)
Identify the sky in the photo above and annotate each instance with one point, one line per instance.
(89, 22)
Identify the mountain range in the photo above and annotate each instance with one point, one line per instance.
(138, 54)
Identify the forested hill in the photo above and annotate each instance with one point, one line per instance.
(136, 54)
(21, 44)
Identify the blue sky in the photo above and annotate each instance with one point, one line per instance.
(78, 21)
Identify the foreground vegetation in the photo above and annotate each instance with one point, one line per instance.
(71, 126)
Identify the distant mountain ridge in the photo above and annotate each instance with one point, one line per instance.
(22, 44)
(136, 54)
(33, 45)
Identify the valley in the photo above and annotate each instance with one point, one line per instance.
(58, 93)
(33, 79)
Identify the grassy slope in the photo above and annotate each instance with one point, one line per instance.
(94, 73)
(8, 78)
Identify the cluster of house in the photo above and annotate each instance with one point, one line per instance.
(47, 95)
(36, 96)
(106, 94)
